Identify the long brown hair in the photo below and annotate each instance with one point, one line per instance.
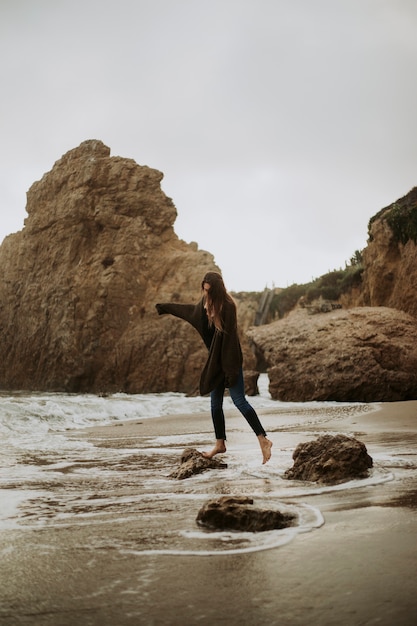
(215, 299)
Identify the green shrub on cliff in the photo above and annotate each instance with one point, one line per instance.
(330, 286)
(401, 217)
(403, 222)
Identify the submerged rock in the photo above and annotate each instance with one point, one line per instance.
(330, 459)
(237, 513)
(193, 462)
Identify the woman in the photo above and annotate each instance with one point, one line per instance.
(214, 317)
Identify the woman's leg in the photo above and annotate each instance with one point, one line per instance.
(237, 393)
(217, 415)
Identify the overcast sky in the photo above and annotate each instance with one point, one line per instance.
(281, 126)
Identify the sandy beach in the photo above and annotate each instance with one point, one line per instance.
(358, 567)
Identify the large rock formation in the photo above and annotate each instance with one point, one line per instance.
(366, 354)
(80, 282)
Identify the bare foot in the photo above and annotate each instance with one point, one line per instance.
(266, 446)
(219, 448)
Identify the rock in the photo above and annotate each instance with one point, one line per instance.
(81, 279)
(390, 258)
(251, 382)
(366, 354)
(193, 462)
(237, 513)
(330, 459)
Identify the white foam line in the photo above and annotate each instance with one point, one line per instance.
(284, 538)
(311, 490)
(276, 544)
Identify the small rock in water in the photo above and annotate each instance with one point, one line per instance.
(330, 459)
(237, 513)
(193, 462)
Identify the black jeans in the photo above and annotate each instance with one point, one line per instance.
(237, 393)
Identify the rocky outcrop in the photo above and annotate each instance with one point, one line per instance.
(389, 260)
(193, 462)
(237, 513)
(366, 354)
(80, 282)
(330, 459)
(98, 250)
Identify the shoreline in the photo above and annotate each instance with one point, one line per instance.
(359, 567)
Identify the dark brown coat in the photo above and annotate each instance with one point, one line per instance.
(225, 359)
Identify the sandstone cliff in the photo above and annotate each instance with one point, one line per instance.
(80, 282)
(390, 257)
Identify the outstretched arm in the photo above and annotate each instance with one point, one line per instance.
(194, 314)
(184, 311)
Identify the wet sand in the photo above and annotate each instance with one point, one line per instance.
(359, 567)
